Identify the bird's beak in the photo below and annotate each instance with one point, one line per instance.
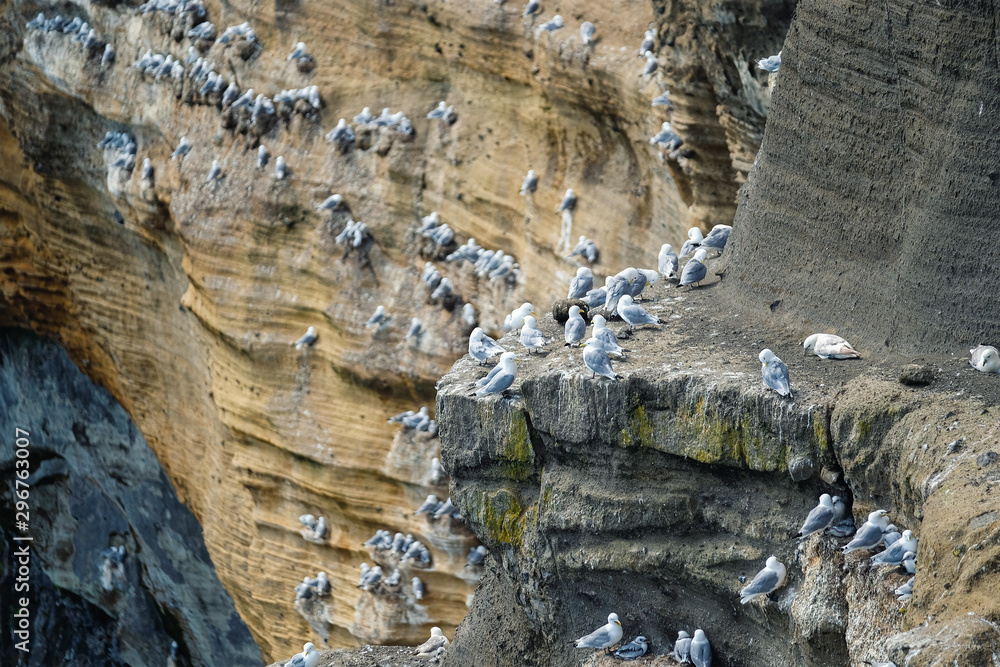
(618, 623)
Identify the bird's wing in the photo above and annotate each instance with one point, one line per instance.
(489, 376)
(701, 653)
(599, 638)
(776, 376)
(818, 519)
(765, 582)
(500, 382)
(867, 537)
(598, 361)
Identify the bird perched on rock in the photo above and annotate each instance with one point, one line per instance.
(870, 533)
(482, 347)
(431, 647)
(469, 314)
(910, 562)
(183, 148)
(576, 326)
(531, 8)
(568, 202)
(502, 376)
(662, 100)
(109, 54)
(634, 649)
(618, 286)
(437, 113)
(308, 520)
(606, 337)
(985, 358)
(516, 318)
(419, 590)
(215, 172)
(280, 171)
(771, 63)
(553, 24)
(651, 64)
(341, 134)
(682, 648)
(581, 284)
(775, 372)
(648, 41)
(820, 517)
(308, 658)
(767, 581)
(667, 137)
(604, 636)
(297, 52)
(633, 314)
(428, 506)
(895, 554)
(666, 261)
(701, 650)
(377, 319)
(584, 248)
(477, 556)
(308, 338)
(694, 239)
(828, 346)
(717, 238)
(695, 269)
(530, 183)
(596, 359)
(415, 327)
(587, 31)
(263, 155)
(371, 579)
(531, 337)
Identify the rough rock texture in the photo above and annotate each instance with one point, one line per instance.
(878, 177)
(95, 484)
(181, 298)
(653, 495)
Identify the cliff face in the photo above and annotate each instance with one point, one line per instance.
(879, 175)
(657, 496)
(96, 485)
(182, 297)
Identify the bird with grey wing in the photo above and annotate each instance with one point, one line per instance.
(633, 314)
(500, 378)
(895, 554)
(633, 650)
(767, 581)
(820, 517)
(603, 637)
(682, 648)
(596, 359)
(666, 261)
(870, 533)
(576, 326)
(985, 359)
(774, 372)
(695, 269)
(582, 283)
(828, 346)
(701, 650)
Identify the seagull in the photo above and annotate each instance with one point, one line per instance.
(701, 650)
(419, 590)
(595, 358)
(215, 172)
(828, 346)
(469, 314)
(634, 649)
(695, 270)
(482, 347)
(532, 8)
(308, 658)
(576, 326)
(581, 284)
(820, 517)
(648, 41)
(377, 319)
(774, 371)
(183, 148)
(503, 378)
(682, 648)
(767, 581)
(308, 520)
(870, 533)
(905, 592)
(618, 287)
(428, 505)
(633, 314)
(666, 261)
(308, 338)
(341, 133)
(516, 318)
(891, 536)
(771, 63)
(587, 34)
(554, 24)
(297, 52)
(331, 202)
(415, 327)
(568, 201)
(662, 100)
(476, 556)
(985, 358)
(530, 183)
(667, 137)
(607, 337)
(694, 239)
(717, 238)
(147, 170)
(895, 554)
(604, 636)
(651, 63)
(230, 95)
(584, 248)
(910, 562)
(433, 645)
(531, 337)
(109, 54)
(262, 156)
(279, 168)
(438, 111)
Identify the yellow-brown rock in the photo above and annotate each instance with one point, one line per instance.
(186, 311)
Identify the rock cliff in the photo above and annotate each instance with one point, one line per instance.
(181, 297)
